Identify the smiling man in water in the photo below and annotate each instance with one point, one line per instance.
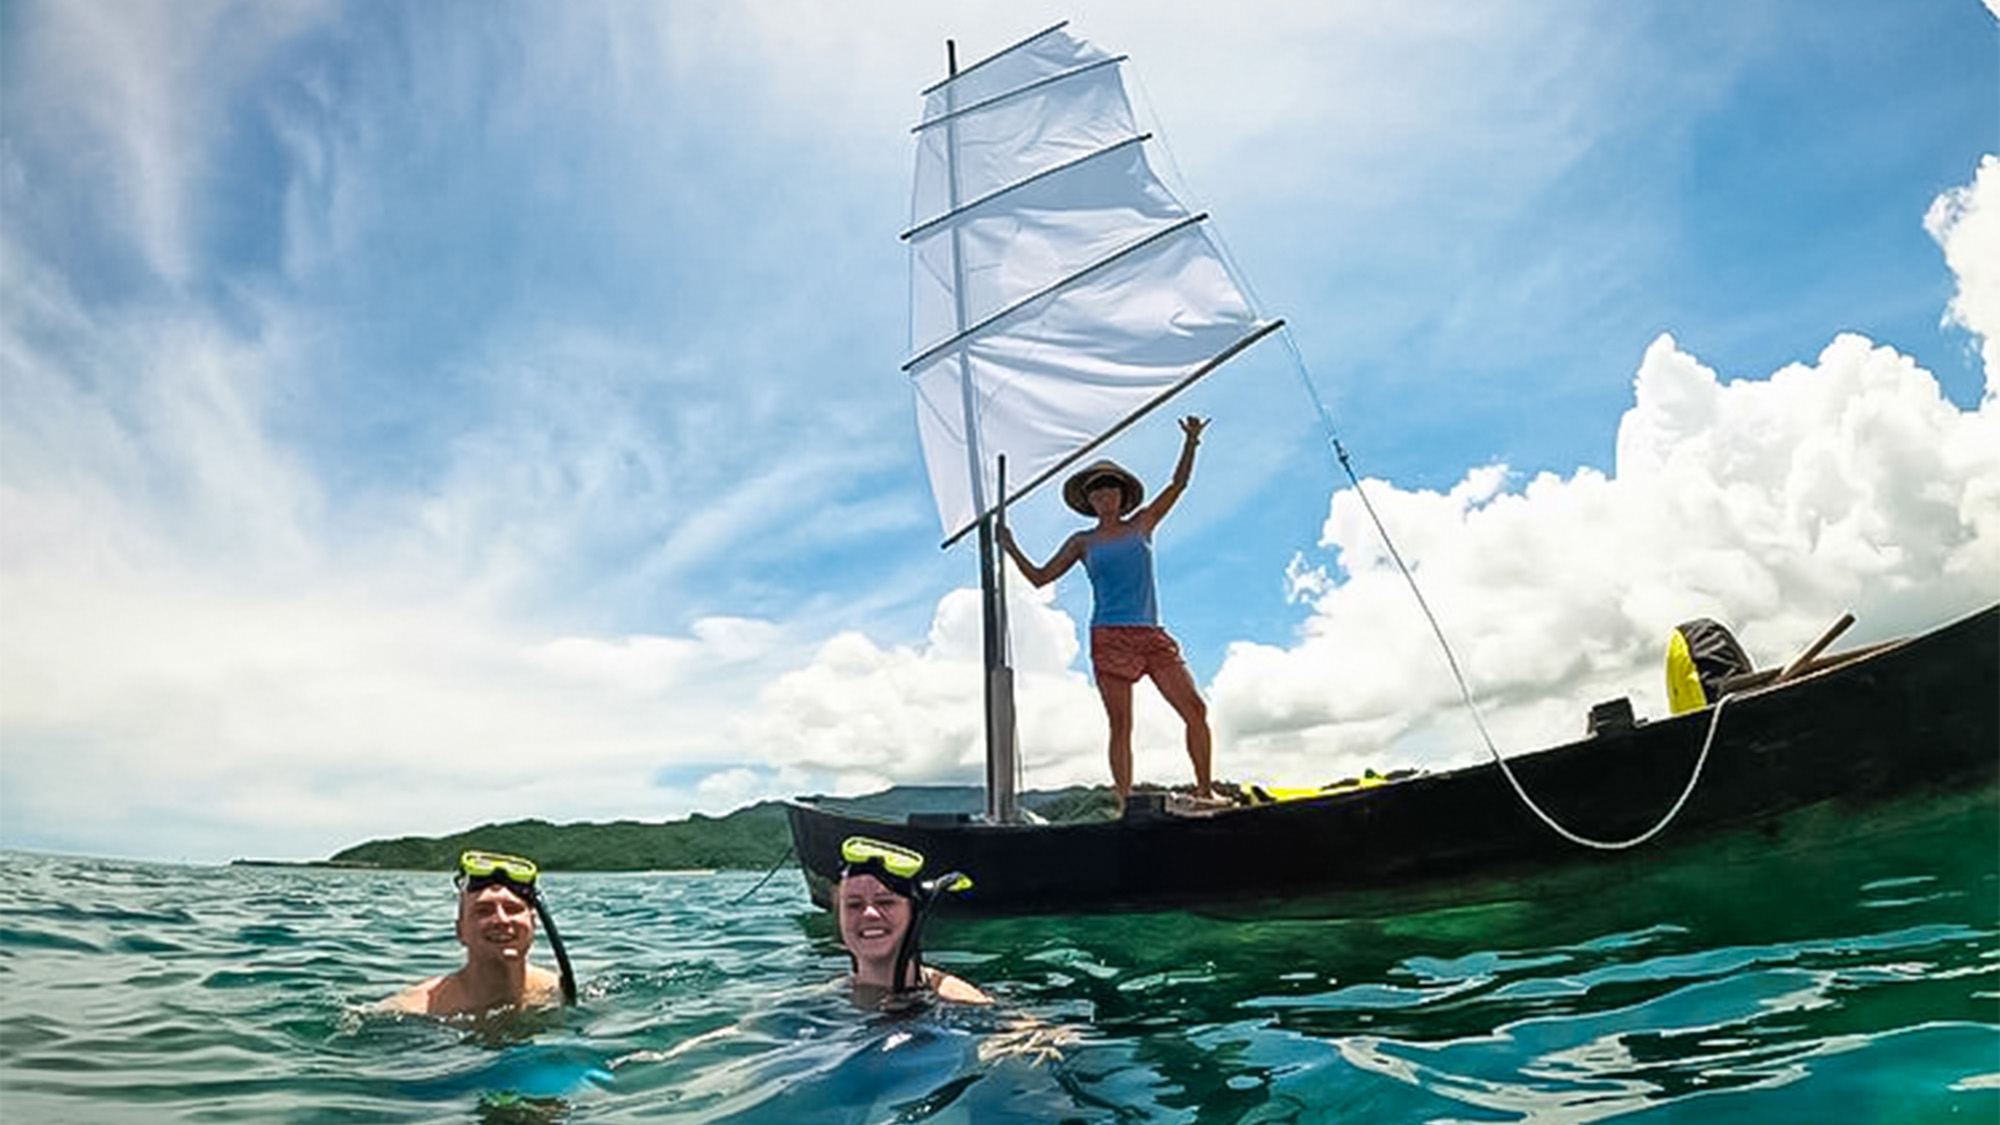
(497, 907)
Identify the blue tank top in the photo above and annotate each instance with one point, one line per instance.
(1121, 580)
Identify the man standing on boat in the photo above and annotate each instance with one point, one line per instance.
(1127, 642)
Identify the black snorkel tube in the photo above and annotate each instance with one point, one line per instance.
(924, 895)
(556, 945)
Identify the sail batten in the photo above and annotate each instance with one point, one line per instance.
(971, 68)
(1019, 185)
(990, 102)
(1058, 289)
(1053, 289)
(1262, 330)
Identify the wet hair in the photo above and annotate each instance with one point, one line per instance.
(472, 885)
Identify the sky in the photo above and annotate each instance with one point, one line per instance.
(416, 416)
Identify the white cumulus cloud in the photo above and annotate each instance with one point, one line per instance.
(1770, 504)
(1966, 222)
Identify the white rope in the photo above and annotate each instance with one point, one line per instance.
(1611, 845)
(1451, 659)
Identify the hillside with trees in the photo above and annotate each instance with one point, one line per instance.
(752, 838)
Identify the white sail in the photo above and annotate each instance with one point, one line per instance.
(1057, 288)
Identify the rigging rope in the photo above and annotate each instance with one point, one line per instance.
(1451, 658)
(744, 897)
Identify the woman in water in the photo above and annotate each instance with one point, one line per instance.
(1126, 640)
(881, 905)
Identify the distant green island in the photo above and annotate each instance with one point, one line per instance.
(752, 838)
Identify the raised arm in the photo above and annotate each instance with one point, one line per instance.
(1153, 513)
(1067, 556)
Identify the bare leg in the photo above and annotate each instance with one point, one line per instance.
(1118, 708)
(1177, 684)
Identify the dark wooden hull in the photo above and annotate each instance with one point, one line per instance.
(1917, 718)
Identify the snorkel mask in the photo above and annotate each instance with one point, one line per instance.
(479, 870)
(898, 868)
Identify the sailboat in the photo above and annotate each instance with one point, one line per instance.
(1059, 293)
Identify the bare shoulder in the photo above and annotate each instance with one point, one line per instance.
(415, 1000)
(544, 987)
(956, 989)
(447, 996)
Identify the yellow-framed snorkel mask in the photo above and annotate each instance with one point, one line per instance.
(897, 867)
(479, 869)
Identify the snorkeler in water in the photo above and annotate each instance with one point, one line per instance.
(880, 905)
(498, 904)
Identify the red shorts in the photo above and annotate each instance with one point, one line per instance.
(1129, 652)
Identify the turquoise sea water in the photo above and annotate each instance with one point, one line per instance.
(1762, 979)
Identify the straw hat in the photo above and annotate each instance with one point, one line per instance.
(1076, 490)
